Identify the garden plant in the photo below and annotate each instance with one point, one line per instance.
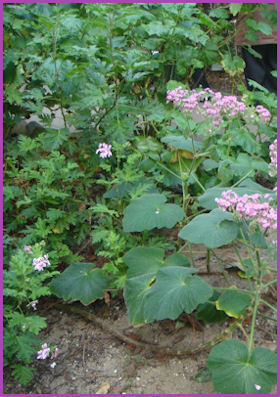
(140, 153)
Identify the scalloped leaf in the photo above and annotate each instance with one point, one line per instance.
(234, 372)
(80, 281)
(213, 230)
(150, 211)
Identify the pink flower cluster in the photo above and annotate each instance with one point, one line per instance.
(254, 206)
(273, 158)
(214, 105)
(104, 150)
(41, 262)
(44, 353)
(263, 113)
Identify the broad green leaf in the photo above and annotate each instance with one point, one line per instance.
(233, 302)
(213, 230)
(148, 144)
(80, 281)
(182, 143)
(175, 290)
(150, 211)
(135, 292)
(143, 260)
(234, 372)
(148, 260)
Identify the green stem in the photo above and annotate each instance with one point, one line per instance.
(250, 347)
(241, 179)
(208, 260)
(268, 284)
(198, 182)
(269, 305)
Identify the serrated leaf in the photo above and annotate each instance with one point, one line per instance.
(22, 373)
(80, 281)
(213, 230)
(25, 347)
(234, 372)
(150, 211)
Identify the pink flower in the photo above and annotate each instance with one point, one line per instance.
(28, 248)
(55, 353)
(43, 354)
(33, 304)
(104, 150)
(41, 262)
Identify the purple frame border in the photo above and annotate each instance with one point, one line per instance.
(1, 184)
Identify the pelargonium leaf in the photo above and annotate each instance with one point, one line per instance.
(234, 372)
(80, 281)
(213, 230)
(150, 211)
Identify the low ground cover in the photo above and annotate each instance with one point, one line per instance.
(92, 208)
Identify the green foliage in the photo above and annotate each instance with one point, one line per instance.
(104, 70)
(22, 284)
(221, 229)
(235, 371)
(149, 212)
(80, 281)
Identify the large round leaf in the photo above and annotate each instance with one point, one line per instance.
(150, 211)
(233, 372)
(148, 260)
(182, 143)
(213, 230)
(80, 281)
(175, 290)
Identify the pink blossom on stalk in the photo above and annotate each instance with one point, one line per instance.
(41, 262)
(273, 158)
(43, 354)
(251, 207)
(33, 304)
(104, 150)
(55, 353)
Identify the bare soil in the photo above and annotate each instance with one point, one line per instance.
(92, 360)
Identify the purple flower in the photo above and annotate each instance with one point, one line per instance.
(104, 150)
(43, 354)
